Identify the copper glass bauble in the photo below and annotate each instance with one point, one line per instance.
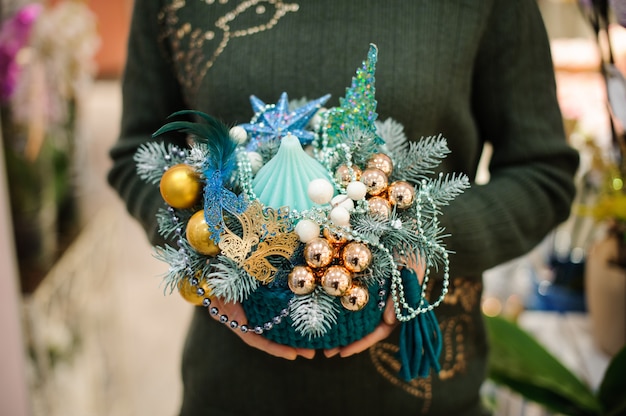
(401, 194)
(355, 298)
(199, 237)
(301, 280)
(180, 186)
(381, 161)
(375, 180)
(336, 281)
(356, 257)
(379, 206)
(334, 238)
(344, 174)
(318, 253)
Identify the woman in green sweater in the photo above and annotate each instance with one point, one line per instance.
(475, 71)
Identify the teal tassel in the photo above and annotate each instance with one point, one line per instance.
(420, 338)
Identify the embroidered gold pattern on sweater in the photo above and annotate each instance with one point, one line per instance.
(383, 356)
(195, 50)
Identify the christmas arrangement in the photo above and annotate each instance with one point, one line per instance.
(311, 218)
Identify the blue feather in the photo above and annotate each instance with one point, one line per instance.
(213, 134)
(217, 168)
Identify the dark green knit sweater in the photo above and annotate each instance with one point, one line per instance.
(475, 71)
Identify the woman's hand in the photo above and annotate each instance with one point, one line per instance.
(382, 331)
(235, 312)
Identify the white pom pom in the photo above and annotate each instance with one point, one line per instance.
(256, 161)
(356, 190)
(320, 191)
(307, 230)
(340, 216)
(342, 201)
(238, 134)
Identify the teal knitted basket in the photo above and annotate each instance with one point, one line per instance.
(264, 304)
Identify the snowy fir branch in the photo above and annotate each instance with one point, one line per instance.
(362, 144)
(197, 155)
(153, 158)
(182, 261)
(392, 133)
(420, 160)
(446, 188)
(379, 270)
(230, 282)
(314, 314)
(178, 266)
(168, 223)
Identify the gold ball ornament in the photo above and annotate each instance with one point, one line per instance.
(344, 174)
(379, 206)
(301, 280)
(381, 161)
(180, 186)
(355, 298)
(336, 281)
(189, 292)
(401, 194)
(318, 253)
(375, 180)
(199, 236)
(356, 257)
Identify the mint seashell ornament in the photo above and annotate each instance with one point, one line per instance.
(284, 180)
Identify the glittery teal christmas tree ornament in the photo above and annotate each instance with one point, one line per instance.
(357, 110)
(274, 121)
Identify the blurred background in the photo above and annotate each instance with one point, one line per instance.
(85, 328)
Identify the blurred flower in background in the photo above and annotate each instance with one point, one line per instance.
(14, 36)
(47, 63)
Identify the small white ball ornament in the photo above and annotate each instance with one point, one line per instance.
(340, 216)
(256, 161)
(307, 230)
(356, 190)
(320, 191)
(238, 134)
(342, 201)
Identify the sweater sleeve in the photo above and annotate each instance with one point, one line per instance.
(150, 93)
(532, 167)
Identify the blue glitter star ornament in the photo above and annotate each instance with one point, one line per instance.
(358, 108)
(274, 121)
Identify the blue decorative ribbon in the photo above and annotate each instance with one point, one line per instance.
(420, 338)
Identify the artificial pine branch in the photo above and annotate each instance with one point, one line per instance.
(380, 268)
(178, 266)
(362, 144)
(167, 224)
(445, 188)
(197, 155)
(369, 227)
(153, 158)
(420, 160)
(313, 314)
(393, 135)
(183, 261)
(230, 282)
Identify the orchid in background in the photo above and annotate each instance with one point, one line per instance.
(14, 36)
